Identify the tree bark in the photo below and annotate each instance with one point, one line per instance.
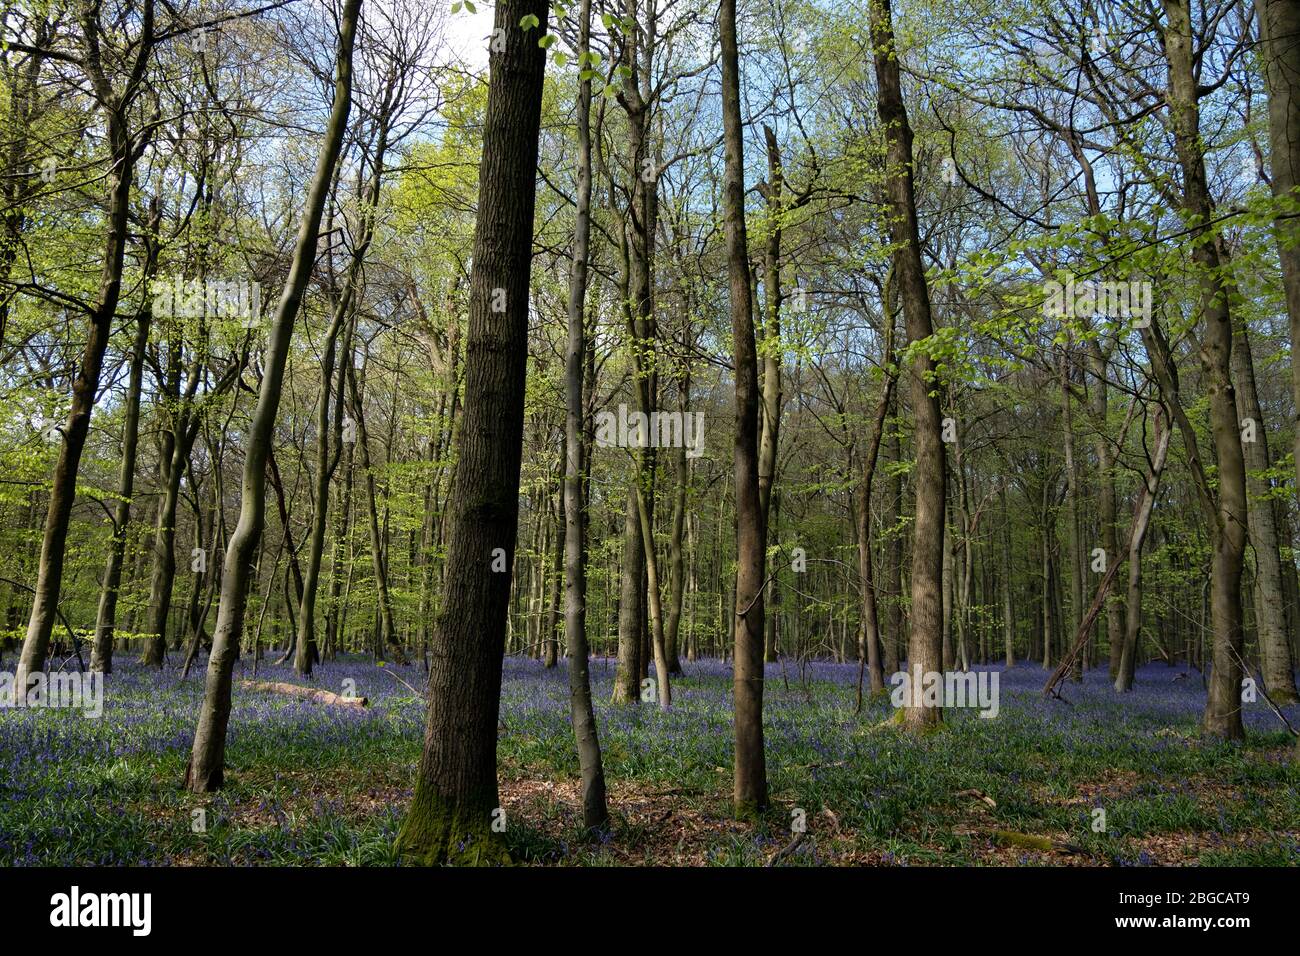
(1227, 514)
(101, 657)
(455, 803)
(627, 674)
(1279, 27)
(925, 647)
(750, 783)
(869, 625)
(1270, 616)
(125, 148)
(595, 813)
(206, 768)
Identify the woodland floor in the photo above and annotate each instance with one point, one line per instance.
(310, 784)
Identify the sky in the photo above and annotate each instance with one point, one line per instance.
(468, 33)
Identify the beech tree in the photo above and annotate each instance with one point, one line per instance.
(925, 644)
(206, 769)
(455, 805)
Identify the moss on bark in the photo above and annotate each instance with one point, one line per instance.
(437, 832)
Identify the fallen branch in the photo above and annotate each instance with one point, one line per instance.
(978, 795)
(1029, 841)
(788, 849)
(306, 693)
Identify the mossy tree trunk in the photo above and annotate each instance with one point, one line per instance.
(454, 814)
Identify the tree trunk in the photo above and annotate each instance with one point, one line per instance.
(627, 675)
(550, 646)
(1270, 616)
(455, 809)
(378, 560)
(1227, 514)
(869, 624)
(1141, 519)
(894, 548)
(772, 350)
(676, 558)
(750, 784)
(123, 152)
(925, 648)
(1072, 518)
(1279, 26)
(101, 657)
(206, 769)
(595, 813)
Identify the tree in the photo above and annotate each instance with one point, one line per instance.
(925, 644)
(750, 789)
(595, 814)
(102, 654)
(127, 140)
(1226, 510)
(455, 805)
(206, 769)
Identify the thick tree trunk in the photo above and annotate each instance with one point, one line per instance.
(455, 806)
(1227, 515)
(750, 784)
(206, 768)
(925, 648)
(1270, 616)
(1279, 53)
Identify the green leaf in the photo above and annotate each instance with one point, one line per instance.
(528, 21)
(546, 41)
(561, 58)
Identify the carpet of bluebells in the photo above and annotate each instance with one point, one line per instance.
(312, 784)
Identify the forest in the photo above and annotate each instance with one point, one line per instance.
(760, 433)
